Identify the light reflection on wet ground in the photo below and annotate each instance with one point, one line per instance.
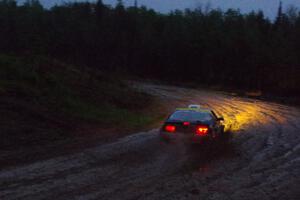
(237, 119)
(239, 114)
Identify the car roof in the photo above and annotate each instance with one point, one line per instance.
(203, 110)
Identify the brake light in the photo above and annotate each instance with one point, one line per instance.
(170, 128)
(186, 123)
(202, 130)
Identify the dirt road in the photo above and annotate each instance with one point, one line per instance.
(262, 162)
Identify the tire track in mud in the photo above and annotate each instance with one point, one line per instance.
(262, 162)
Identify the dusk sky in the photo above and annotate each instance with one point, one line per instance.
(268, 6)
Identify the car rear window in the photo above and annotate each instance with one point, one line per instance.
(191, 116)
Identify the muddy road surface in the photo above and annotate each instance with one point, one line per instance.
(261, 162)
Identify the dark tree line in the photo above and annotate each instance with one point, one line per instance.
(206, 46)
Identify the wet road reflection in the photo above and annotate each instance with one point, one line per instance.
(239, 114)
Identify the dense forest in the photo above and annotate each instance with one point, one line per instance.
(205, 46)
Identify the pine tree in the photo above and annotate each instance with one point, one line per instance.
(279, 14)
(99, 9)
(120, 4)
(135, 3)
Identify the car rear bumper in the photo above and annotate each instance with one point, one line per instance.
(183, 137)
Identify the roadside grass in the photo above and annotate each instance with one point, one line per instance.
(108, 115)
(44, 99)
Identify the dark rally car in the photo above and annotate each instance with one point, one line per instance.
(193, 124)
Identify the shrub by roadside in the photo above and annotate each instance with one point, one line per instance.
(43, 100)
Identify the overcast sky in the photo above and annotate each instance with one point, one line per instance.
(268, 6)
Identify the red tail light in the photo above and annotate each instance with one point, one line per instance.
(202, 130)
(170, 128)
